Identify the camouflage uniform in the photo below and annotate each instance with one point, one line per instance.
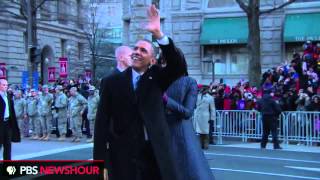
(33, 114)
(76, 106)
(93, 101)
(61, 102)
(46, 100)
(21, 111)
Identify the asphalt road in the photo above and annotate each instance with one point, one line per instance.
(245, 163)
(226, 162)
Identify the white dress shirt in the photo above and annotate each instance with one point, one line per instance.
(6, 108)
(163, 41)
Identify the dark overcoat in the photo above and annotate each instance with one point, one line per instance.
(12, 120)
(122, 112)
(182, 98)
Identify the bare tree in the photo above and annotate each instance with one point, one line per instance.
(253, 12)
(28, 10)
(94, 37)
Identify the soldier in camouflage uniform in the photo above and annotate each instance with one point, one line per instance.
(76, 107)
(93, 101)
(33, 114)
(61, 103)
(46, 100)
(21, 112)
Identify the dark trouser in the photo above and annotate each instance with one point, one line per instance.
(204, 141)
(86, 124)
(211, 129)
(6, 141)
(269, 124)
(147, 167)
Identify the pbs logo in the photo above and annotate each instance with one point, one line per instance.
(11, 170)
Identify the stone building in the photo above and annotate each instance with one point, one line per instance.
(109, 17)
(60, 33)
(216, 31)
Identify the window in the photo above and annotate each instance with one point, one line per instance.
(80, 51)
(176, 4)
(25, 39)
(63, 47)
(239, 64)
(157, 3)
(229, 59)
(79, 14)
(45, 11)
(220, 66)
(292, 48)
(62, 11)
(126, 32)
(221, 3)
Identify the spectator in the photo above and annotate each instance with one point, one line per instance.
(315, 104)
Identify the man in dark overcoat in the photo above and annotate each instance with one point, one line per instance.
(131, 132)
(9, 130)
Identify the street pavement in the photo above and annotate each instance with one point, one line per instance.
(230, 161)
(248, 161)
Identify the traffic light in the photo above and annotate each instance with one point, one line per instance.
(35, 55)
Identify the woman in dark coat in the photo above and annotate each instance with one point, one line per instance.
(180, 99)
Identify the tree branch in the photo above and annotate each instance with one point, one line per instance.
(276, 8)
(243, 6)
(40, 4)
(23, 6)
(12, 13)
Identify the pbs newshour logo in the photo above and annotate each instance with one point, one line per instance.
(11, 170)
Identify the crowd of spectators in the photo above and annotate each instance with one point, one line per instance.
(295, 85)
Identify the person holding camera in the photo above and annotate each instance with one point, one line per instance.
(303, 101)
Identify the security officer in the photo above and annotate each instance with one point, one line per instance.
(270, 111)
(93, 101)
(33, 114)
(21, 112)
(76, 106)
(46, 100)
(60, 103)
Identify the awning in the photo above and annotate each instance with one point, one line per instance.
(232, 30)
(302, 27)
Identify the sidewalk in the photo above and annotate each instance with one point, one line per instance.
(296, 148)
(27, 148)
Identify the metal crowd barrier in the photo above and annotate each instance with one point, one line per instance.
(294, 126)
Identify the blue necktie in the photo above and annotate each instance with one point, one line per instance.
(135, 84)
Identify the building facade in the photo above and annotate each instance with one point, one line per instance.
(213, 33)
(109, 18)
(60, 36)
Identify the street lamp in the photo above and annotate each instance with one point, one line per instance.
(212, 61)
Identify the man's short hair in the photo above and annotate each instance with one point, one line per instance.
(153, 47)
(120, 50)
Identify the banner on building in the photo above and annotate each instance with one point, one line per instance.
(35, 77)
(51, 74)
(63, 67)
(88, 75)
(3, 71)
(25, 79)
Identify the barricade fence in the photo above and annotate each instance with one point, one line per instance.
(294, 126)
